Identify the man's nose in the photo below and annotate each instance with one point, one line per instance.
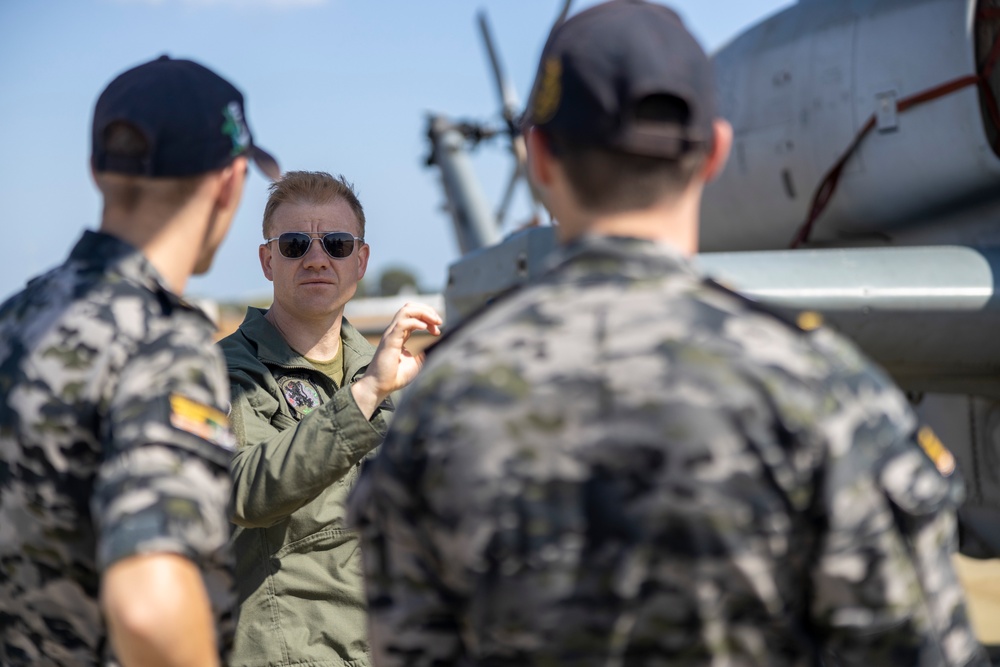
(316, 257)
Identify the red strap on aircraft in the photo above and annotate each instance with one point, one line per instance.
(829, 183)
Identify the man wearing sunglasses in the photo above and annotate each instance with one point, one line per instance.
(311, 398)
(114, 446)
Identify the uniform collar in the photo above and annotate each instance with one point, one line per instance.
(620, 257)
(103, 252)
(272, 348)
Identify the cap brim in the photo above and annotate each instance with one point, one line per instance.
(265, 162)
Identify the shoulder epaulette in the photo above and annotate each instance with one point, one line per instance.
(801, 320)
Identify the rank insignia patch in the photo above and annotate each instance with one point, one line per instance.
(943, 459)
(301, 395)
(201, 420)
(809, 320)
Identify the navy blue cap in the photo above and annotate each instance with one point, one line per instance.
(191, 120)
(600, 67)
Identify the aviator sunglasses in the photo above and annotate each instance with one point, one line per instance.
(296, 244)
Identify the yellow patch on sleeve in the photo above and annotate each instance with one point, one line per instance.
(201, 420)
(943, 459)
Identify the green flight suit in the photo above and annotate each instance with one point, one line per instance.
(301, 441)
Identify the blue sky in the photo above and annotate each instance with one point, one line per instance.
(335, 85)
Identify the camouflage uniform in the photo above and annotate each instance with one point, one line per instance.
(112, 444)
(625, 464)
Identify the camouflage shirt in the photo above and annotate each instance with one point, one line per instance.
(625, 464)
(113, 442)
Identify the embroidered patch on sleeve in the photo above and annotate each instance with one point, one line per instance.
(201, 420)
(301, 394)
(943, 459)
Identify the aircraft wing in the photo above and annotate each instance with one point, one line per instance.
(929, 315)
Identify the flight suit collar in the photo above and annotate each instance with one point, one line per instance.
(272, 348)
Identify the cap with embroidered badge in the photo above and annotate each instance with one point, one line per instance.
(191, 121)
(602, 66)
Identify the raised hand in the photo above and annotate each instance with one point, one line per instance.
(393, 366)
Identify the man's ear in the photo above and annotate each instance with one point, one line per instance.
(231, 186)
(722, 144)
(264, 252)
(363, 252)
(539, 158)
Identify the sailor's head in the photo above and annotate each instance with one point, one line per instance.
(624, 99)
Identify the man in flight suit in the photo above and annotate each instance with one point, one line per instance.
(311, 398)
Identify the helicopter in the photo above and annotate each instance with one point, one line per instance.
(864, 185)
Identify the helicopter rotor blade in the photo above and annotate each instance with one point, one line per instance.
(510, 105)
(564, 13)
(508, 195)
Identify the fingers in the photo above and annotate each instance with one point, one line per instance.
(393, 366)
(414, 317)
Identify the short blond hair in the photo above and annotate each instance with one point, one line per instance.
(311, 187)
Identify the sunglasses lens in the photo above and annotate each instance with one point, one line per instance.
(293, 244)
(339, 244)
